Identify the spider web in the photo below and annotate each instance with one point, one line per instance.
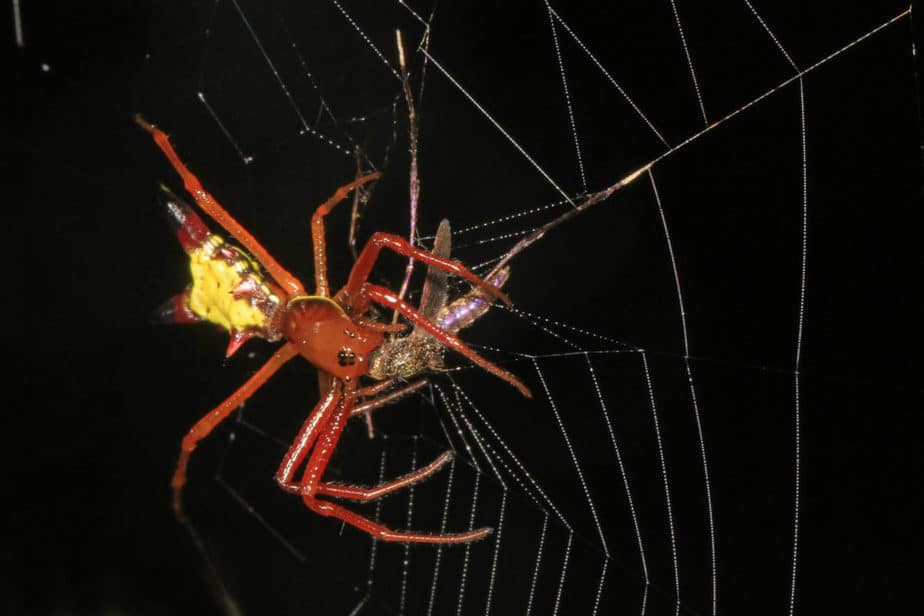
(705, 346)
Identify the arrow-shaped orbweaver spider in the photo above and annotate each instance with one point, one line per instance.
(336, 333)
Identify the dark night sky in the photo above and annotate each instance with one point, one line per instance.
(102, 397)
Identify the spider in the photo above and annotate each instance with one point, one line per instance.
(335, 333)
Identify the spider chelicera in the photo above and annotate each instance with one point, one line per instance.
(336, 333)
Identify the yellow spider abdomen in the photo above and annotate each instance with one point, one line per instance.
(216, 277)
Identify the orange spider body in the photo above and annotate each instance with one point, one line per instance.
(337, 334)
(325, 336)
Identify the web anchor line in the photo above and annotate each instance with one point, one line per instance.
(797, 401)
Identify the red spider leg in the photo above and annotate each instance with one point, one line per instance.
(319, 243)
(210, 421)
(306, 438)
(324, 447)
(326, 440)
(388, 299)
(386, 534)
(378, 241)
(364, 495)
(367, 494)
(308, 434)
(213, 208)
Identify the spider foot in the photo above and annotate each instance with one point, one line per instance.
(177, 486)
(386, 534)
(448, 538)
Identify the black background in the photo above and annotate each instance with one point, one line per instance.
(100, 397)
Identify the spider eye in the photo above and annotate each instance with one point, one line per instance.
(346, 357)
